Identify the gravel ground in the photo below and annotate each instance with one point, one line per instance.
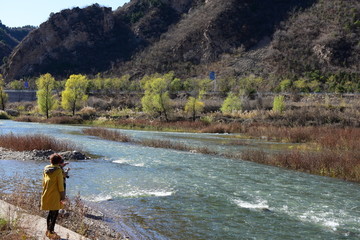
(39, 155)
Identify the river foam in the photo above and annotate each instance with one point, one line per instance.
(130, 194)
(127, 162)
(259, 204)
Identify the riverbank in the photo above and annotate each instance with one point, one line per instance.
(25, 194)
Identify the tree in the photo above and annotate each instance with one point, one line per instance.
(156, 99)
(45, 98)
(74, 95)
(194, 106)
(198, 88)
(279, 104)
(16, 85)
(231, 103)
(3, 94)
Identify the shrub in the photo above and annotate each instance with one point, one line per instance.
(65, 120)
(87, 113)
(231, 103)
(12, 112)
(28, 119)
(4, 115)
(279, 104)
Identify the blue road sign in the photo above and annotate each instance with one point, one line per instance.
(212, 75)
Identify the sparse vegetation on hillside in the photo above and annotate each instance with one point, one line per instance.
(320, 44)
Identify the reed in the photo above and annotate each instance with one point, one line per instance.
(337, 164)
(33, 142)
(173, 145)
(107, 134)
(160, 125)
(155, 143)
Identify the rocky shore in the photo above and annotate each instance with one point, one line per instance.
(39, 155)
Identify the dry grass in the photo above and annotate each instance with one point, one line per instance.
(33, 142)
(343, 165)
(65, 120)
(9, 231)
(111, 135)
(28, 119)
(174, 145)
(52, 120)
(119, 137)
(158, 125)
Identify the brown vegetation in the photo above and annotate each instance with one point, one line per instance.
(52, 120)
(33, 142)
(343, 165)
(333, 152)
(114, 135)
(107, 134)
(158, 125)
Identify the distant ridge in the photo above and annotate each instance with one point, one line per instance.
(191, 37)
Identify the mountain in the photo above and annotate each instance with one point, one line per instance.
(10, 38)
(278, 38)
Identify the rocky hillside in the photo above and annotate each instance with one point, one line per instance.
(10, 38)
(325, 37)
(283, 38)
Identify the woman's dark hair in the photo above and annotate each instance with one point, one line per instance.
(55, 158)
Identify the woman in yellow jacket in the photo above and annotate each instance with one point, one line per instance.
(53, 193)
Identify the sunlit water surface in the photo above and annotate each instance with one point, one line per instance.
(166, 194)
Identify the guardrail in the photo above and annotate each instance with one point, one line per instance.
(21, 95)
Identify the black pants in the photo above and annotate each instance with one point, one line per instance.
(51, 220)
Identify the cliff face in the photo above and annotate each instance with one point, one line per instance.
(189, 36)
(9, 38)
(72, 41)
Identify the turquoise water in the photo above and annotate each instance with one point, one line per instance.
(166, 194)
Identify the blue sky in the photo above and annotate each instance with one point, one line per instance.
(17, 13)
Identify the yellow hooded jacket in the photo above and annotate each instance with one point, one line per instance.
(53, 184)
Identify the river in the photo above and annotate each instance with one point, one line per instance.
(153, 193)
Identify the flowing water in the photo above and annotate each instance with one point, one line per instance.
(154, 193)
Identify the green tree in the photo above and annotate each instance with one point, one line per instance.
(16, 85)
(3, 94)
(231, 103)
(74, 95)
(45, 98)
(194, 106)
(285, 85)
(250, 84)
(302, 85)
(156, 99)
(279, 104)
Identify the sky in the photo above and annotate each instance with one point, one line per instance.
(18, 13)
